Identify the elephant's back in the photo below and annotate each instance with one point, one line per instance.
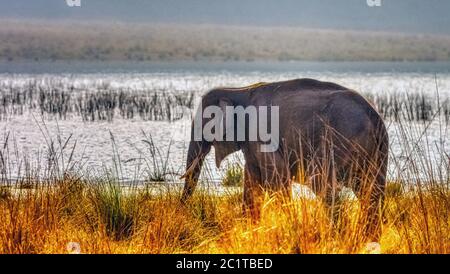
(305, 104)
(303, 96)
(312, 84)
(295, 85)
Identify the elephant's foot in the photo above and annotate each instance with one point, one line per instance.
(252, 203)
(373, 227)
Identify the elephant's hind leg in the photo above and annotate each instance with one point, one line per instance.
(324, 174)
(265, 172)
(325, 186)
(276, 174)
(370, 193)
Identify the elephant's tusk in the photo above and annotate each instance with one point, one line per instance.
(190, 170)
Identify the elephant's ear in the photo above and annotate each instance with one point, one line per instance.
(223, 149)
(223, 104)
(227, 127)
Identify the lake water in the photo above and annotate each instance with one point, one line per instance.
(120, 145)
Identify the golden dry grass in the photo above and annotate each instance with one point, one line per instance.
(48, 215)
(103, 218)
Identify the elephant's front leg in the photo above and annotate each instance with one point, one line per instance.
(253, 193)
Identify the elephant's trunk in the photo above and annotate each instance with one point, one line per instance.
(195, 157)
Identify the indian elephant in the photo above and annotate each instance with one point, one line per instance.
(328, 134)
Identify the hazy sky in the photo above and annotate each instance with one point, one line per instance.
(429, 16)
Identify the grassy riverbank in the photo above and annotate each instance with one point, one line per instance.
(103, 218)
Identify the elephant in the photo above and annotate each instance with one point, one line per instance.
(328, 134)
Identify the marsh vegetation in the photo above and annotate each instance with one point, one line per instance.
(52, 194)
(101, 102)
(97, 103)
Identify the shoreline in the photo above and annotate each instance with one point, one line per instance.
(119, 66)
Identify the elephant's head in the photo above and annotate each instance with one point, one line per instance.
(200, 144)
